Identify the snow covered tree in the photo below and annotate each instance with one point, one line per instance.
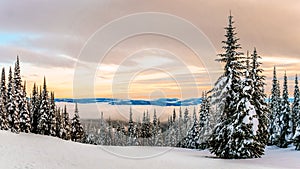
(101, 139)
(43, 121)
(192, 138)
(131, 133)
(195, 115)
(109, 135)
(66, 129)
(296, 137)
(77, 133)
(204, 125)
(18, 98)
(25, 118)
(180, 129)
(186, 121)
(4, 125)
(284, 121)
(174, 116)
(224, 95)
(3, 92)
(170, 137)
(91, 134)
(12, 108)
(119, 135)
(258, 97)
(146, 129)
(3, 116)
(275, 102)
(156, 139)
(59, 122)
(296, 105)
(235, 136)
(52, 116)
(34, 109)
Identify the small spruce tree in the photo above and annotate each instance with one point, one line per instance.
(77, 133)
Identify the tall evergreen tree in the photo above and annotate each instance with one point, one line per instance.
(174, 115)
(181, 132)
(204, 124)
(109, 135)
(234, 135)
(131, 134)
(146, 129)
(296, 106)
(258, 98)
(3, 91)
(156, 139)
(275, 102)
(3, 116)
(34, 109)
(284, 121)
(59, 122)
(66, 129)
(52, 116)
(186, 121)
(77, 133)
(4, 125)
(43, 121)
(102, 131)
(225, 92)
(192, 138)
(25, 118)
(12, 108)
(18, 98)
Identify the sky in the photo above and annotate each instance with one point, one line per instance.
(142, 49)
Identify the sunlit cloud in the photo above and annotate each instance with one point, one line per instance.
(49, 40)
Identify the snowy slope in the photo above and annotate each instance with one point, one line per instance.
(26, 151)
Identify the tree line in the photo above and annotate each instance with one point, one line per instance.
(182, 130)
(37, 114)
(284, 126)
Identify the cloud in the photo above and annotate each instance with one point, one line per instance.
(49, 36)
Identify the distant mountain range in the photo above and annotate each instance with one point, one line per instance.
(156, 102)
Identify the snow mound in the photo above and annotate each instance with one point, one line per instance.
(30, 151)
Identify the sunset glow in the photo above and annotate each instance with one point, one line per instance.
(49, 38)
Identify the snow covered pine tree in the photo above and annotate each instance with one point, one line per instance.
(4, 125)
(275, 102)
(77, 133)
(295, 106)
(283, 119)
(235, 136)
(13, 113)
(258, 98)
(43, 126)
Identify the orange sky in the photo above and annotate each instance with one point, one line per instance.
(53, 38)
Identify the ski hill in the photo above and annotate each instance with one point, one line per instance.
(30, 151)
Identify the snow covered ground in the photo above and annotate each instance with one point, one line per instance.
(28, 151)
